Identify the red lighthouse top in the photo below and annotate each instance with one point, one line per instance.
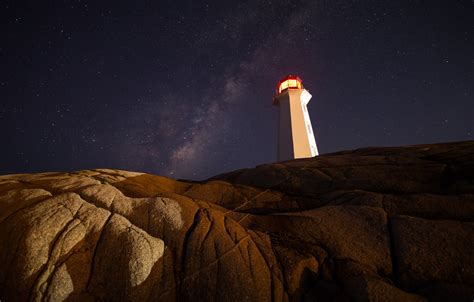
(289, 82)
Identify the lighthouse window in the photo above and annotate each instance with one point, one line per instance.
(283, 86)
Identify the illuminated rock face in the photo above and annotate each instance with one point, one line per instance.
(295, 133)
(392, 224)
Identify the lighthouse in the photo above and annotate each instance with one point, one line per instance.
(295, 134)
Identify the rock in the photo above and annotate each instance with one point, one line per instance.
(430, 206)
(374, 224)
(134, 266)
(365, 288)
(299, 270)
(344, 232)
(433, 250)
(50, 241)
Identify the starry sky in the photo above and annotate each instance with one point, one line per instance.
(184, 88)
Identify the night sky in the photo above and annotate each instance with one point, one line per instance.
(184, 88)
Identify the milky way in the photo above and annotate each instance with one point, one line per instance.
(185, 89)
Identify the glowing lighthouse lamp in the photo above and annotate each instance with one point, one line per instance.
(295, 134)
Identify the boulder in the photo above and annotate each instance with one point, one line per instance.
(374, 224)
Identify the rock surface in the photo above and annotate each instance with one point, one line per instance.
(378, 224)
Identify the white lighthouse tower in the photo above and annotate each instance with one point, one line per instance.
(295, 134)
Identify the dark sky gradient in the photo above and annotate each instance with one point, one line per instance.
(184, 88)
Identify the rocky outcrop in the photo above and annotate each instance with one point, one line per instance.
(378, 224)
